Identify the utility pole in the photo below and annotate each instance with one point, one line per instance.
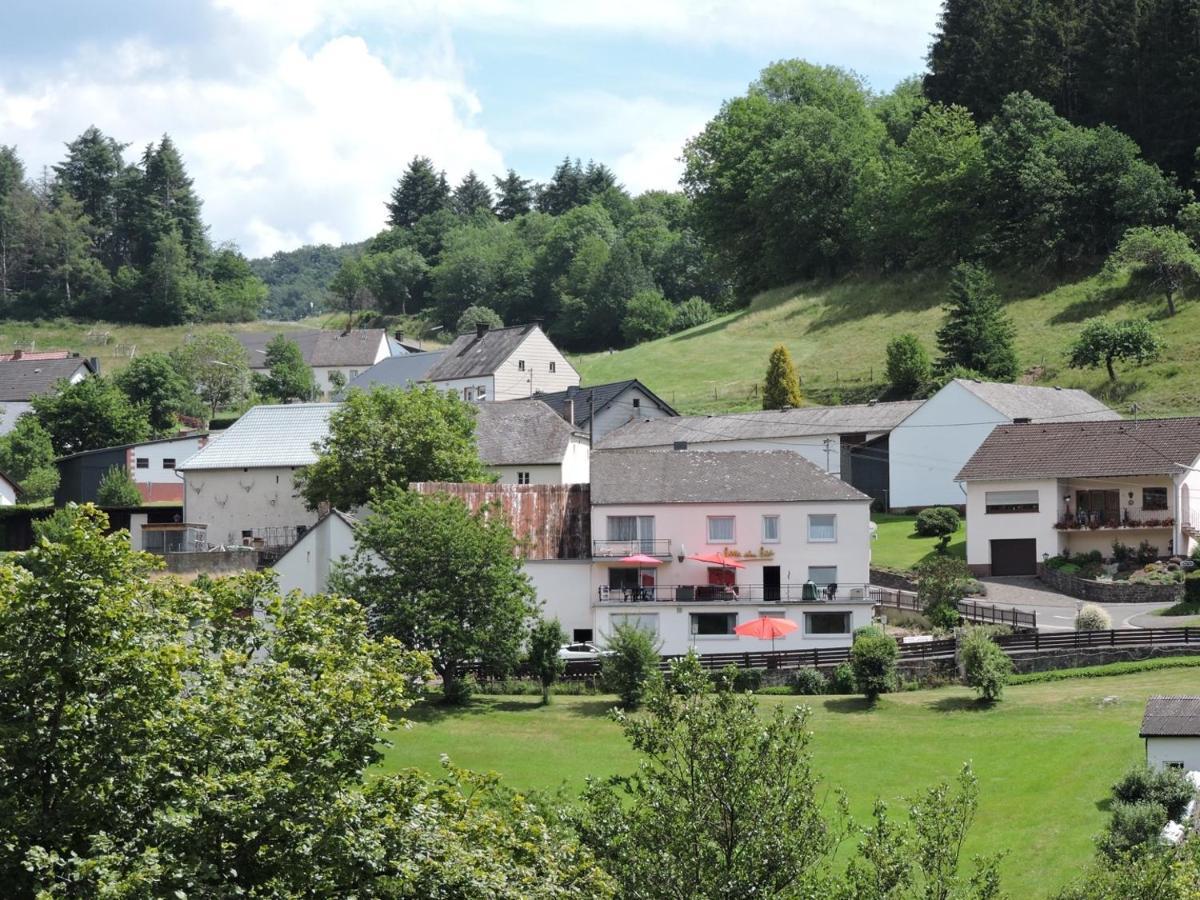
(828, 450)
(1134, 408)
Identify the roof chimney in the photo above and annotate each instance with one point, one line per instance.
(399, 337)
(679, 445)
(480, 329)
(17, 354)
(571, 410)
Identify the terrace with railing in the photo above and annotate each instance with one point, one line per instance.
(174, 537)
(736, 593)
(660, 548)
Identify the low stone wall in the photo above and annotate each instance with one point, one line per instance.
(213, 562)
(894, 580)
(1048, 660)
(1111, 592)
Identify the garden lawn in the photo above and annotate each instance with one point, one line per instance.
(1045, 756)
(899, 547)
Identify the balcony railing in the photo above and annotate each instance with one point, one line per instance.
(659, 548)
(738, 593)
(174, 537)
(1097, 522)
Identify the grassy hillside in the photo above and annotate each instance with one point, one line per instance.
(837, 332)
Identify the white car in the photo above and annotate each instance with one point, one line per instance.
(584, 650)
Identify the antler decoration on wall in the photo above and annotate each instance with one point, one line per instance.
(221, 501)
(246, 487)
(197, 488)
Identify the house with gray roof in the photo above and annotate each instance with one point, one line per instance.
(601, 408)
(526, 442)
(930, 445)
(690, 544)
(24, 377)
(402, 371)
(511, 363)
(348, 353)
(1171, 730)
(1041, 489)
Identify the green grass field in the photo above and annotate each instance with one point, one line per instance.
(1045, 756)
(897, 546)
(837, 332)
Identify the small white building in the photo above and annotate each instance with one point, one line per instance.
(307, 564)
(1035, 491)
(1171, 730)
(25, 376)
(151, 464)
(615, 404)
(929, 446)
(241, 485)
(10, 491)
(347, 353)
(526, 442)
(511, 363)
(799, 539)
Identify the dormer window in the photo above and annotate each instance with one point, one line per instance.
(520, 365)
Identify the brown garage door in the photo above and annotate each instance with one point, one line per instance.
(1014, 557)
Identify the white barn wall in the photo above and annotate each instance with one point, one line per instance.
(230, 501)
(307, 565)
(1163, 750)
(621, 411)
(562, 589)
(537, 351)
(547, 474)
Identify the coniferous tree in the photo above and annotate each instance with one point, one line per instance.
(471, 194)
(168, 202)
(781, 390)
(514, 196)
(422, 190)
(977, 334)
(92, 173)
(565, 190)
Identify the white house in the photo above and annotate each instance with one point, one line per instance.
(153, 466)
(241, 484)
(10, 491)
(526, 442)
(1171, 730)
(25, 376)
(851, 442)
(346, 353)
(935, 440)
(1035, 491)
(510, 363)
(615, 404)
(736, 535)
(306, 565)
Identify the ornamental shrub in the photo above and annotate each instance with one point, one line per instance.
(940, 522)
(1169, 788)
(873, 657)
(985, 666)
(842, 680)
(808, 682)
(1092, 618)
(1132, 825)
(632, 659)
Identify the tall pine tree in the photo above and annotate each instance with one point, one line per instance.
(977, 334)
(781, 390)
(471, 194)
(421, 190)
(167, 201)
(92, 174)
(514, 196)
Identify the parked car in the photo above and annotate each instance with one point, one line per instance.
(584, 650)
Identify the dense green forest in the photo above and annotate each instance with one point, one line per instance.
(98, 237)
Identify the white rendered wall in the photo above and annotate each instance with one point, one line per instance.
(306, 566)
(927, 450)
(562, 589)
(620, 411)
(537, 352)
(982, 528)
(1163, 750)
(230, 501)
(179, 450)
(487, 382)
(576, 467)
(537, 474)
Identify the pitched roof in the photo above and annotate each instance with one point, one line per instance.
(602, 394)
(472, 355)
(190, 436)
(318, 346)
(694, 476)
(1171, 717)
(1041, 404)
(266, 436)
(35, 354)
(23, 379)
(1086, 449)
(326, 521)
(775, 423)
(521, 432)
(397, 371)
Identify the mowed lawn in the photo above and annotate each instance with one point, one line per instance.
(897, 546)
(1045, 756)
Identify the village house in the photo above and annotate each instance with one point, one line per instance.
(615, 404)
(1040, 490)
(347, 353)
(307, 564)
(526, 442)
(511, 363)
(24, 376)
(151, 464)
(405, 370)
(1171, 730)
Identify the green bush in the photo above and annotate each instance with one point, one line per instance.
(631, 661)
(692, 312)
(1109, 669)
(1092, 618)
(940, 522)
(117, 489)
(943, 616)
(986, 667)
(1169, 788)
(808, 682)
(1069, 568)
(873, 658)
(842, 680)
(732, 678)
(1132, 825)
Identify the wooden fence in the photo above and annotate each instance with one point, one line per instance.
(971, 610)
(1081, 640)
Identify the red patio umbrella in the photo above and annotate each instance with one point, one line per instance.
(767, 627)
(717, 559)
(640, 559)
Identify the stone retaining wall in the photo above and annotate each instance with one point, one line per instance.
(1111, 592)
(897, 581)
(1048, 660)
(213, 561)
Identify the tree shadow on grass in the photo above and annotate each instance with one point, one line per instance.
(591, 709)
(956, 549)
(1105, 805)
(848, 705)
(959, 704)
(431, 710)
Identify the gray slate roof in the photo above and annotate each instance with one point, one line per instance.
(780, 424)
(1041, 404)
(694, 476)
(24, 379)
(266, 436)
(471, 355)
(521, 432)
(320, 347)
(601, 394)
(1086, 449)
(397, 371)
(1171, 717)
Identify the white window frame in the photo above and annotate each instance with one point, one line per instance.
(732, 520)
(822, 540)
(520, 365)
(808, 632)
(469, 394)
(771, 540)
(553, 365)
(523, 478)
(832, 580)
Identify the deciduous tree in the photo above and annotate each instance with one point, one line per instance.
(154, 380)
(217, 367)
(1163, 254)
(908, 367)
(546, 639)
(1103, 343)
(117, 489)
(27, 456)
(90, 414)
(288, 376)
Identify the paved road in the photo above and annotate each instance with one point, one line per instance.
(1055, 611)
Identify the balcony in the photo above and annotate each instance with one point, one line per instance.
(658, 548)
(737, 593)
(174, 537)
(1096, 522)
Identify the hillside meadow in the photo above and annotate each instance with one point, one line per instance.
(837, 332)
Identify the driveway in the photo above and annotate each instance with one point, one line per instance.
(1055, 611)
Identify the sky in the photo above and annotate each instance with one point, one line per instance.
(296, 117)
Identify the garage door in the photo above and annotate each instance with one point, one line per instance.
(1014, 557)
